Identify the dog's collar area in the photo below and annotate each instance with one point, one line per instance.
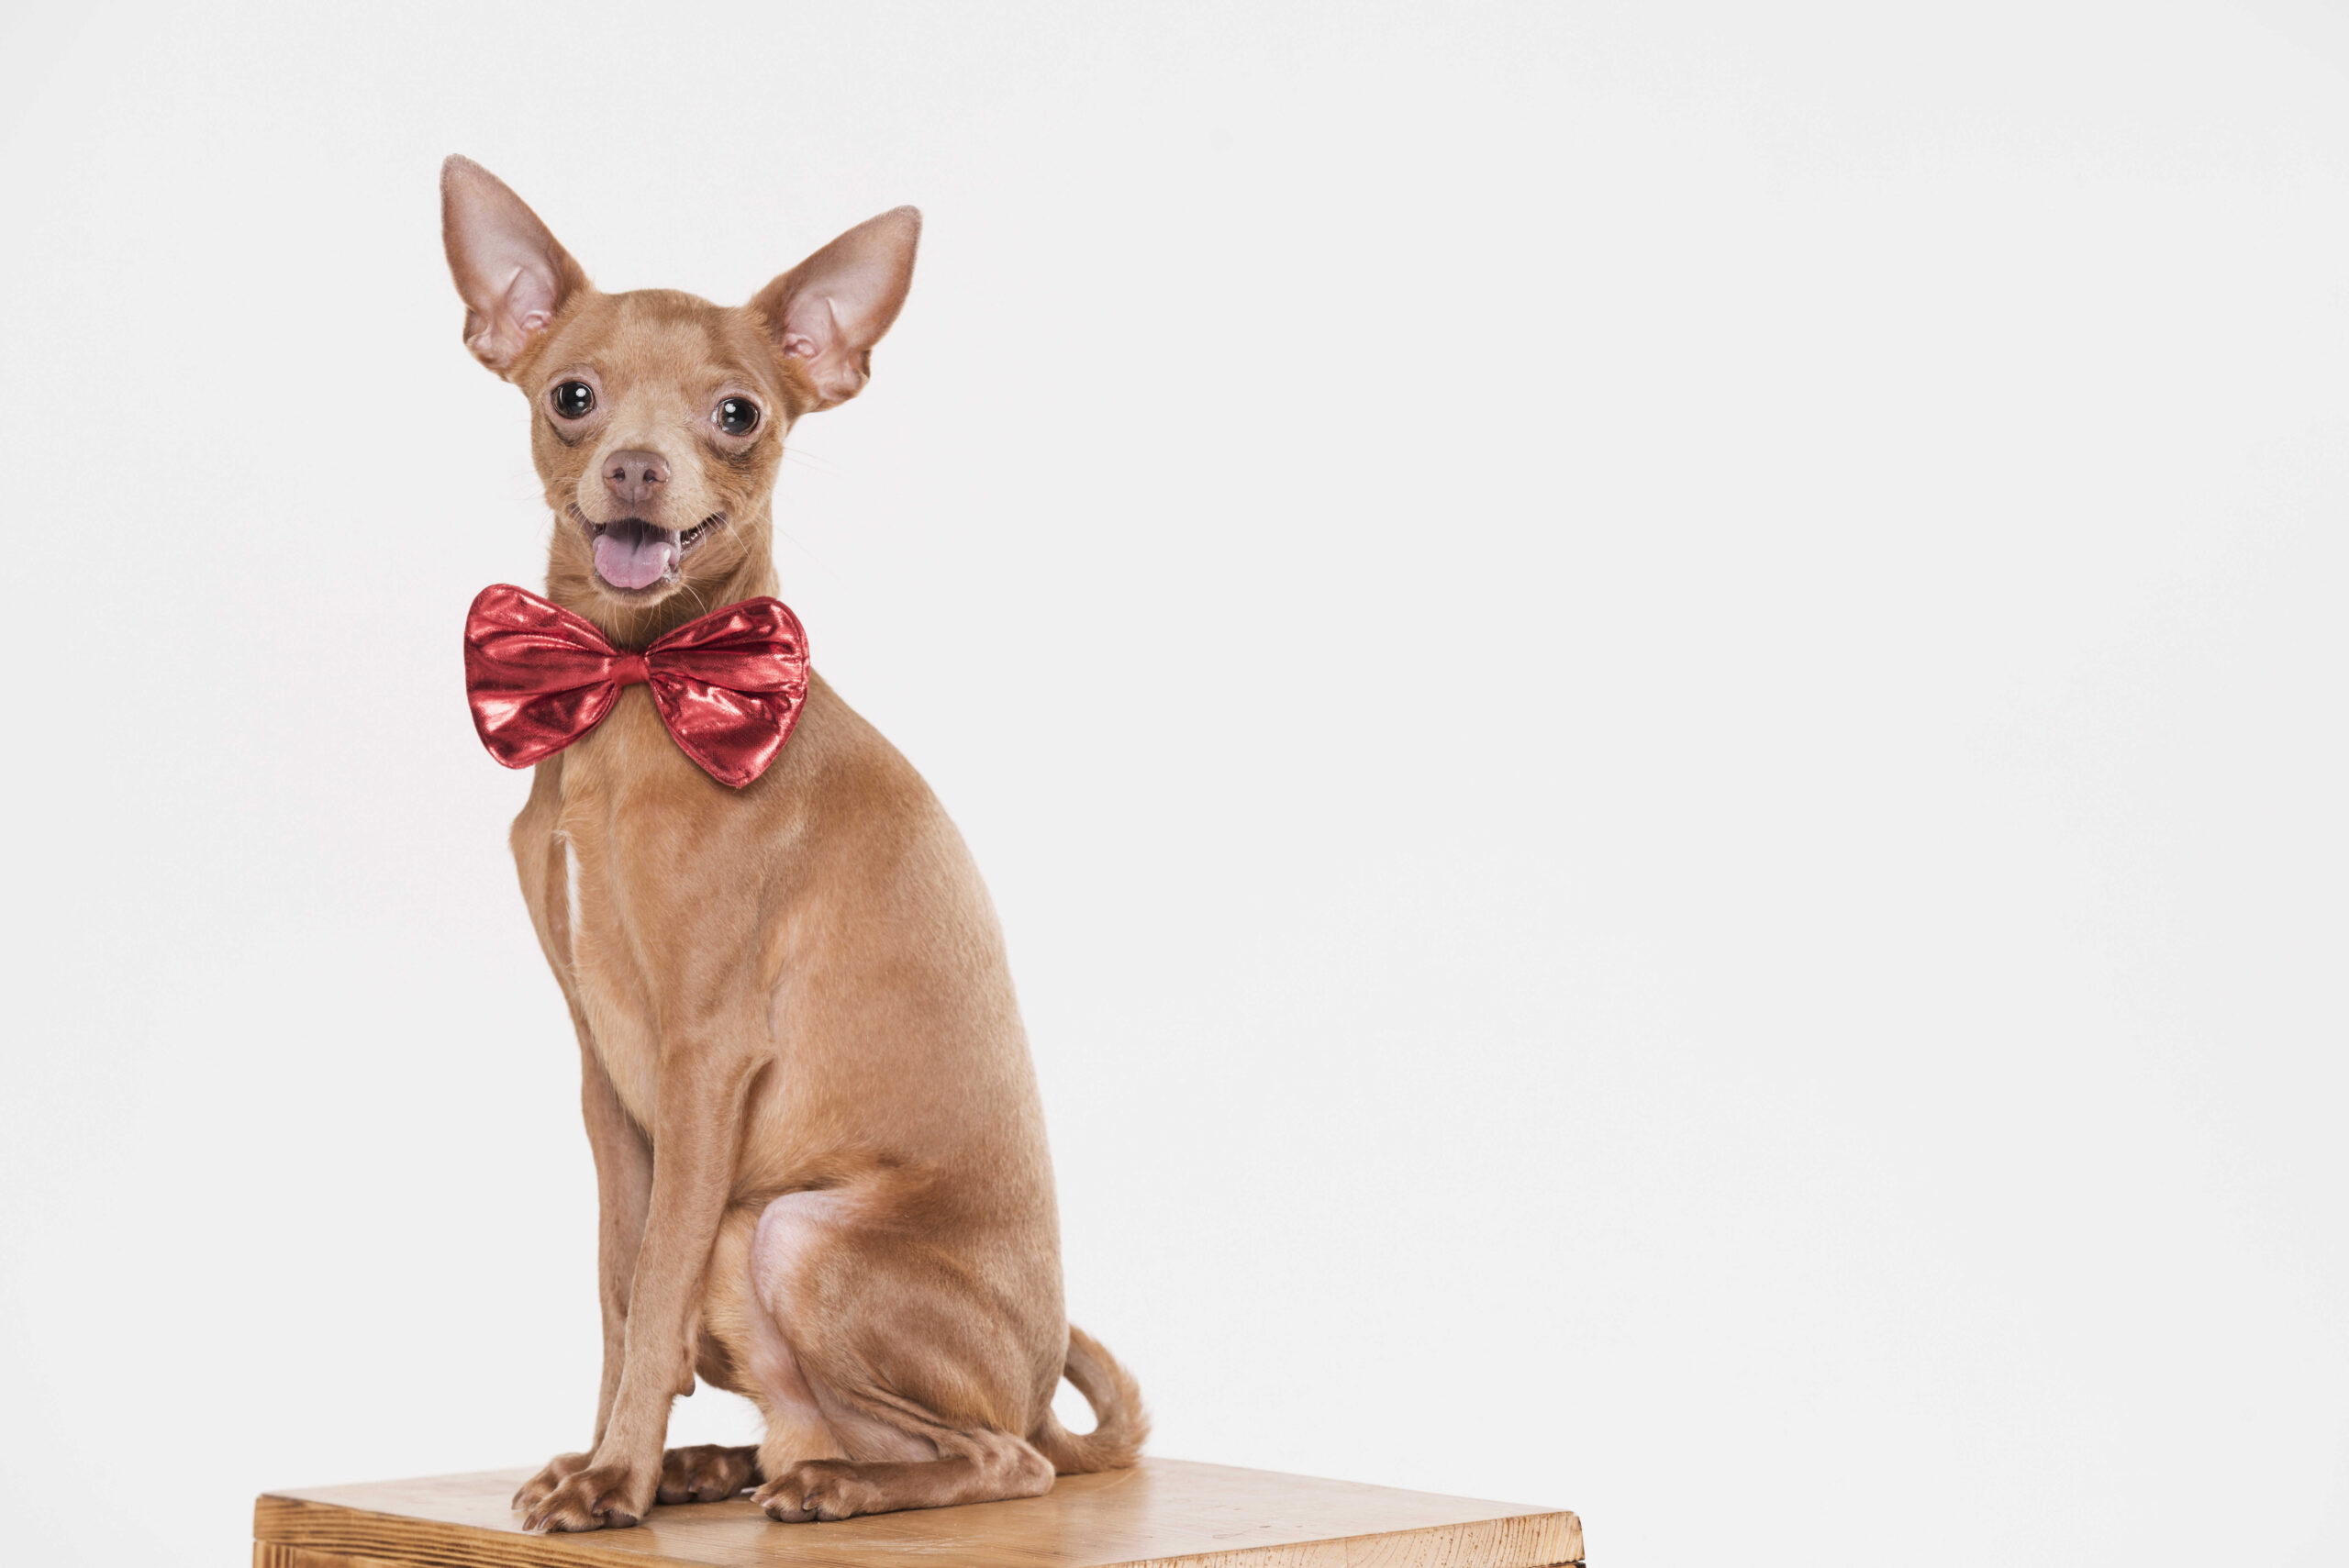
(728, 686)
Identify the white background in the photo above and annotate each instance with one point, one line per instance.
(1653, 693)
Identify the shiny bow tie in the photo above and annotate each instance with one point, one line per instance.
(730, 685)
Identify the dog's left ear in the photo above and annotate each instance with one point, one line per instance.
(825, 313)
(510, 271)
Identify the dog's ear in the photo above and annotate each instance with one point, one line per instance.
(510, 272)
(825, 313)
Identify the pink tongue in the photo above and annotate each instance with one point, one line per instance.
(638, 561)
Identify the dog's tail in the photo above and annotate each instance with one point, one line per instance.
(1119, 1423)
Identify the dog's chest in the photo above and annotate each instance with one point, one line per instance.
(660, 896)
(615, 989)
(638, 901)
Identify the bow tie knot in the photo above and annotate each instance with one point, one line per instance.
(728, 686)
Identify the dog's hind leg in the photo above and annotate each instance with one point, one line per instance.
(987, 1467)
(758, 1253)
(706, 1472)
(924, 1363)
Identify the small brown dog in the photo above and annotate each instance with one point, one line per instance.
(819, 1146)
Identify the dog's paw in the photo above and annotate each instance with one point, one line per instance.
(706, 1472)
(594, 1496)
(558, 1469)
(818, 1489)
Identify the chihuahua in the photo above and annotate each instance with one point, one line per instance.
(819, 1146)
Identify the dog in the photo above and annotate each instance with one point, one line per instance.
(819, 1146)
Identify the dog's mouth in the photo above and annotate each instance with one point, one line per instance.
(633, 555)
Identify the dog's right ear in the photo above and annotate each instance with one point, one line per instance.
(825, 314)
(510, 272)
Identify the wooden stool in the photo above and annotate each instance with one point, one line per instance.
(1165, 1513)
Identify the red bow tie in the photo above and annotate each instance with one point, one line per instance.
(730, 685)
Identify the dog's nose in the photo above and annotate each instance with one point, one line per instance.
(633, 476)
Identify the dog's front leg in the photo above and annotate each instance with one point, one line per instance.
(623, 1198)
(697, 1127)
(623, 1195)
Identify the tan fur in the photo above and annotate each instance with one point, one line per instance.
(818, 1147)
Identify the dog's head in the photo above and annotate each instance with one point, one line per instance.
(658, 418)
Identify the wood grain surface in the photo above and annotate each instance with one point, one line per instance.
(1164, 1514)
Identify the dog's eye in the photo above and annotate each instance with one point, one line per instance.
(573, 398)
(738, 416)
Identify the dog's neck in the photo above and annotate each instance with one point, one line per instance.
(631, 627)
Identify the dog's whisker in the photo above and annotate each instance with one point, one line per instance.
(809, 461)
